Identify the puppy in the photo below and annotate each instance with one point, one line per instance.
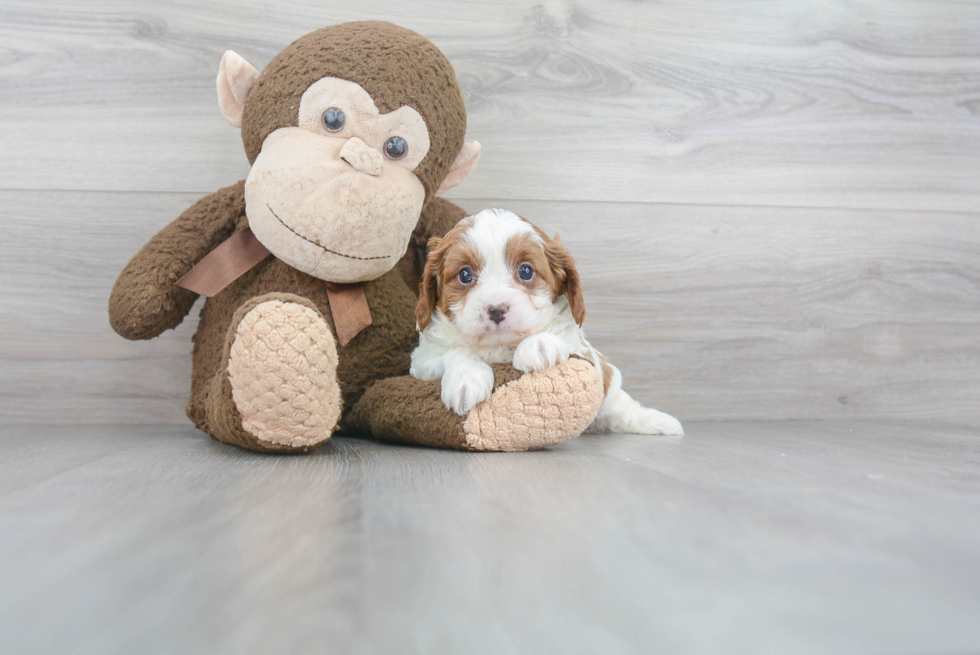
(496, 289)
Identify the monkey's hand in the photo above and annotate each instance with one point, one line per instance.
(145, 301)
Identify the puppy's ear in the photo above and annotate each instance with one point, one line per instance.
(428, 287)
(563, 267)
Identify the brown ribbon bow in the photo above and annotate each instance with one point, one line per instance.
(240, 252)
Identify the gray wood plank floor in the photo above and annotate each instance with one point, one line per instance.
(795, 537)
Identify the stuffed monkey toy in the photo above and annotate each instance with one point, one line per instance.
(311, 265)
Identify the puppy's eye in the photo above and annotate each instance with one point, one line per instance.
(334, 119)
(396, 147)
(525, 272)
(466, 276)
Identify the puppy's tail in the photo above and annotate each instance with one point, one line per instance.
(620, 413)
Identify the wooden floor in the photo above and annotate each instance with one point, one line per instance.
(781, 537)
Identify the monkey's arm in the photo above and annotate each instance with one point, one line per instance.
(526, 411)
(145, 301)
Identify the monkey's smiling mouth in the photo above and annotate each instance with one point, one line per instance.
(320, 245)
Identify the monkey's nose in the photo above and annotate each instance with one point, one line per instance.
(496, 313)
(362, 157)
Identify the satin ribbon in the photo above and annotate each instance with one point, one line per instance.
(240, 253)
(349, 306)
(233, 258)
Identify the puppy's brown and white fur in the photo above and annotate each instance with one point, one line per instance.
(496, 289)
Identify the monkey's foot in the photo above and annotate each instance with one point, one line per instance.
(281, 378)
(525, 412)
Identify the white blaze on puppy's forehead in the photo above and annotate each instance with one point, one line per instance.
(489, 232)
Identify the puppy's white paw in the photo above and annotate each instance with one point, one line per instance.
(466, 385)
(650, 421)
(539, 352)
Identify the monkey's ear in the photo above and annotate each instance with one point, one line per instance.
(236, 77)
(465, 162)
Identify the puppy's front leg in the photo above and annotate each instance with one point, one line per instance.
(539, 352)
(467, 380)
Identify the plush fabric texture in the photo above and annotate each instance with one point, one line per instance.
(235, 79)
(406, 410)
(282, 367)
(267, 375)
(526, 412)
(145, 300)
(463, 165)
(395, 65)
(301, 206)
(363, 118)
(219, 417)
(380, 350)
(538, 410)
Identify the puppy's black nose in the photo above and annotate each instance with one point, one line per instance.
(497, 313)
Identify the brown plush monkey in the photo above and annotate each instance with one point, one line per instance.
(351, 131)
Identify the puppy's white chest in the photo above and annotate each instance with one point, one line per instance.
(495, 354)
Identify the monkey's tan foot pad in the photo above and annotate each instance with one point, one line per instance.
(525, 412)
(282, 367)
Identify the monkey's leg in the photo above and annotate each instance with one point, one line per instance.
(277, 389)
(525, 412)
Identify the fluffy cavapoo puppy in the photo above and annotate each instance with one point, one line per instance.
(496, 289)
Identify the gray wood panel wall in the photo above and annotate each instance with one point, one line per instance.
(775, 205)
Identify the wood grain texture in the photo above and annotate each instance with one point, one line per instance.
(805, 242)
(755, 312)
(710, 312)
(871, 104)
(60, 359)
(802, 537)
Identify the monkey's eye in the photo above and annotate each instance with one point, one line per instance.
(334, 119)
(466, 275)
(525, 272)
(396, 148)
